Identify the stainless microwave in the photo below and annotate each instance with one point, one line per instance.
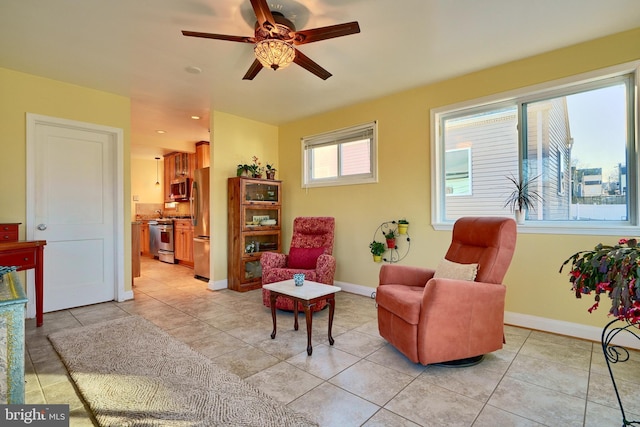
(180, 189)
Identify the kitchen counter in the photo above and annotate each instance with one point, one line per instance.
(145, 220)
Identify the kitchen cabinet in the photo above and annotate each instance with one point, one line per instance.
(177, 165)
(168, 176)
(180, 165)
(251, 202)
(202, 154)
(183, 241)
(145, 249)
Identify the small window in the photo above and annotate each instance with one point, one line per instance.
(341, 157)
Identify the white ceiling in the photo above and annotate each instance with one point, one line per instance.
(134, 48)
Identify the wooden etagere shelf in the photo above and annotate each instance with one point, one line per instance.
(255, 207)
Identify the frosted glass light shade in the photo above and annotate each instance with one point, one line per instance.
(274, 53)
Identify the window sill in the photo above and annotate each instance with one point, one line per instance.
(559, 227)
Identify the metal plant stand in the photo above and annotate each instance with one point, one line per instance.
(615, 353)
(400, 251)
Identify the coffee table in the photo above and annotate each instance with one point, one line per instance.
(308, 295)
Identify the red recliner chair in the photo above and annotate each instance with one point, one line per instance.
(310, 253)
(437, 319)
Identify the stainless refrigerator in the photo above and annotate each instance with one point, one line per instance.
(201, 221)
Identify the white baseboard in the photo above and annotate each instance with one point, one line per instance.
(125, 296)
(576, 330)
(356, 289)
(218, 285)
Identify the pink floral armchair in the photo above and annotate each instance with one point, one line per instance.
(310, 253)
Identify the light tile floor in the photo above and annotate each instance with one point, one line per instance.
(538, 379)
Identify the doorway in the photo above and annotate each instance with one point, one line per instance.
(75, 201)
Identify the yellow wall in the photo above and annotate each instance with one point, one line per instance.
(404, 187)
(234, 140)
(143, 182)
(23, 93)
(535, 287)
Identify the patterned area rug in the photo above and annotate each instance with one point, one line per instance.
(132, 373)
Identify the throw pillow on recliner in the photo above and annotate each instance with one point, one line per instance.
(304, 258)
(452, 270)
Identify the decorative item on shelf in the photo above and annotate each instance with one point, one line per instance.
(270, 171)
(403, 226)
(390, 235)
(256, 168)
(612, 270)
(252, 247)
(259, 219)
(523, 197)
(377, 249)
(243, 170)
(298, 279)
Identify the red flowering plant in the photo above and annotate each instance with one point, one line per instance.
(609, 269)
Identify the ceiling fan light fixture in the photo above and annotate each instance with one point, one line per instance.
(274, 53)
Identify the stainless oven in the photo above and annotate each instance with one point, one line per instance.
(161, 240)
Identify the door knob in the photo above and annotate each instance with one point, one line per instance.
(41, 227)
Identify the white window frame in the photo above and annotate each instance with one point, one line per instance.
(337, 137)
(561, 171)
(527, 94)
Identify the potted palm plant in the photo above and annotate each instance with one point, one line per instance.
(523, 197)
(377, 249)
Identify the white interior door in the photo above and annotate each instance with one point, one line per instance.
(72, 205)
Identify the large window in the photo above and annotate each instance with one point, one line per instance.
(575, 143)
(345, 156)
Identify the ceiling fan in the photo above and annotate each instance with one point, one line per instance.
(275, 37)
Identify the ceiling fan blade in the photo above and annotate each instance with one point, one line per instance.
(264, 15)
(240, 39)
(305, 62)
(253, 70)
(324, 33)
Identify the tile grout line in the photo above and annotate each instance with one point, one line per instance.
(504, 375)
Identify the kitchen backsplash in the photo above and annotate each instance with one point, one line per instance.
(150, 210)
